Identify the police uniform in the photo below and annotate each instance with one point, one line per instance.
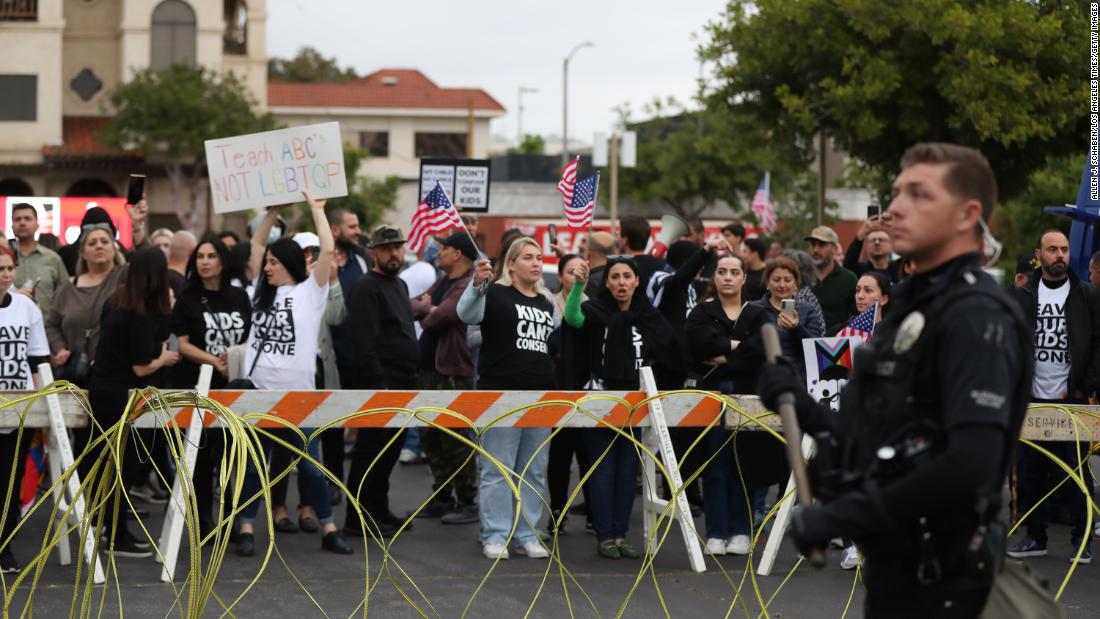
(917, 457)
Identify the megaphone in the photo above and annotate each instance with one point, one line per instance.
(672, 228)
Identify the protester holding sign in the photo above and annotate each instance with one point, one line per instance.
(724, 346)
(623, 332)
(516, 315)
(209, 317)
(23, 345)
(282, 351)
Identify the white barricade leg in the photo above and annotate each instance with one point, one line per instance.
(782, 518)
(668, 456)
(60, 438)
(172, 532)
(652, 503)
(53, 457)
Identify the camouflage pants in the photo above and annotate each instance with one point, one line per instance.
(446, 454)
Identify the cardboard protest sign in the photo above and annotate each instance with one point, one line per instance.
(828, 365)
(275, 167)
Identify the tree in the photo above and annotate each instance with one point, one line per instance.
(167, 115)
(308, 66)
(1020, 221)
(1006, 76)
(367, 197)
(532, 144)
(690, 160)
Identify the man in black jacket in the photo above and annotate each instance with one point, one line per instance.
(380, 317)
(1065, 314)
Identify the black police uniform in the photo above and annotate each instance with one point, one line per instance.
(944, 382)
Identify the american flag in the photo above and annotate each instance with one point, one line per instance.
(568, 179)
(762, 204)
(861, 326)
(578, 214)
(434, 215)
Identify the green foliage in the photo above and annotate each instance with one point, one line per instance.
(1006, 76)
(367, 197)
(170, 113)
(1019, 221)
(308, 66)
(532, 144)
(691, 159)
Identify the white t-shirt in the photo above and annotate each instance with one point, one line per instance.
(419, 278)
(21, 336)
(1051, 343)
(286, 337)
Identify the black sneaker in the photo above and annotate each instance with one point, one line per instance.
(138, 542)
(126, 545)
(150, 494)
(553, 527)
(8, 563)
(333, 542)
(436, 508)
(1029, 547)
(463, 513)
(1086, 554)
(246, 545)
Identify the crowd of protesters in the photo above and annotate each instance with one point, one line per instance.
(341, 309)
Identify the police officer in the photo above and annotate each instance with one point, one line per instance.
(912, 467)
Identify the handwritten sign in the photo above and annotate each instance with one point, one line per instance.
(275, 167)
(465, 180)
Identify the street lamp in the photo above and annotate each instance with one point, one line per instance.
(519, 114)
(565, 102)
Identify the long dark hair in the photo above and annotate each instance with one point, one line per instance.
(194, 282)
(291, 256)
(144, 287)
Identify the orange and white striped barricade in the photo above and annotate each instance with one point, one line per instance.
(56, 414)
(460, 409)
(1044, 422)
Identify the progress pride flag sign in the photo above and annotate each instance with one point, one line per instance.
(276, 167)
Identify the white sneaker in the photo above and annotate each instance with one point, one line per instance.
(532, 549)
(716, 546)
(851, 558)
(738, 545)
(495, 550)
(409, 456)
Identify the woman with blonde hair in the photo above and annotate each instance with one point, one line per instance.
(517, 316)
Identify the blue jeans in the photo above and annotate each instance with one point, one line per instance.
(611, 486)
(515, 448)
(412, 441)
(727, 511)
(311, 479)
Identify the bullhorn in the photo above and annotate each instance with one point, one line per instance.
(672, 228)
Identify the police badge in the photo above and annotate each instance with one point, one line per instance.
(909, 332)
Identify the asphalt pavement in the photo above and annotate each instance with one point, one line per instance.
(438, 570)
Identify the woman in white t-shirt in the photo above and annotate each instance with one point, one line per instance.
(287, 309)
(22, 340)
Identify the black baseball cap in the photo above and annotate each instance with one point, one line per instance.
(461, 241)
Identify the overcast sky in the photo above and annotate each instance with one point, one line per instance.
(642, 49)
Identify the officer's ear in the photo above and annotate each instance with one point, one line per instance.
(969, 216)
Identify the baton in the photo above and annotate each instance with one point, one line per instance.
(792, 433)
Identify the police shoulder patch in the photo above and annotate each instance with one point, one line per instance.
(909, 332)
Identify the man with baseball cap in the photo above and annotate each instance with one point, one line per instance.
(447, 363)
(381, 319)
(836, 286)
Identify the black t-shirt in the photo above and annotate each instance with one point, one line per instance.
(213, 321)
(753, 288)
(127, 339)
(515, 333)
(429, 342)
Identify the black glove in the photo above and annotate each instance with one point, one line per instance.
(779, 378)
(810, 528)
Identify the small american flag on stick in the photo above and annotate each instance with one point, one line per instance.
(861, 326)
(568, 180)
(434, 215)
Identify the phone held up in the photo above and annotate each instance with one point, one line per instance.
(873, 211)
(787, 307)
(552, 229)
(136, 190)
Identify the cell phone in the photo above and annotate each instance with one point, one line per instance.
(787, 306)
(553, 229)
(873, 211)
(136, 191)
(173, 343)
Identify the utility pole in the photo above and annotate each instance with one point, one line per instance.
(565, 102)
(613, 153)
(519, 114)
(469, 128)
(821, 178)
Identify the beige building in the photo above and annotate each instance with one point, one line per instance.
(62, 59)
(398, 116)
